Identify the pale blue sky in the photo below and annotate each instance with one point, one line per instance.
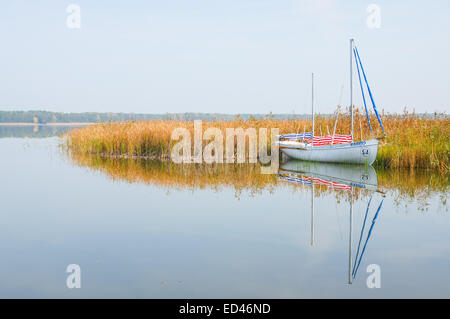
(231, 56)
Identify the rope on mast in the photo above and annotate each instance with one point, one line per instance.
(362, 91)
(370, 92)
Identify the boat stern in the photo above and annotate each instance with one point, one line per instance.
(369, 151)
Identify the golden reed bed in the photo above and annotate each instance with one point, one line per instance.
(411, 142)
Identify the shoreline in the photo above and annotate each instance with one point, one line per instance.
(47, 124)
(412, 142)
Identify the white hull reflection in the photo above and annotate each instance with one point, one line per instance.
(362, 176)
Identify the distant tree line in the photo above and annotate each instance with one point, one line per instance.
(43, 117)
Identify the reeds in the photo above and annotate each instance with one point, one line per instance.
(411, 141)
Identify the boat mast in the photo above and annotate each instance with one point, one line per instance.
(350, 278)
(351, 83)
(312, 211)
(312, 103)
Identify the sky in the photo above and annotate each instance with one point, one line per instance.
(234, 56)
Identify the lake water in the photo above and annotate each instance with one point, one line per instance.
(142, 229)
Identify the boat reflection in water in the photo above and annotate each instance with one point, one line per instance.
(339, 177)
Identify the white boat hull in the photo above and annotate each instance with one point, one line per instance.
(364, 152)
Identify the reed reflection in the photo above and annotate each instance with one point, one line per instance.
(400, 184)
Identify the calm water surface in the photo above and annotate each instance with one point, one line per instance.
(138, 232)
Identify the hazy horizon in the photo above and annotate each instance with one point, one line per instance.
(444, 113)
(232, 57)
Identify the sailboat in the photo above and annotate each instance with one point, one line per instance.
(335, 148)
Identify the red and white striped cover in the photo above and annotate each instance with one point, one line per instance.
(326, 140)
(331, 184)
(320, 181)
